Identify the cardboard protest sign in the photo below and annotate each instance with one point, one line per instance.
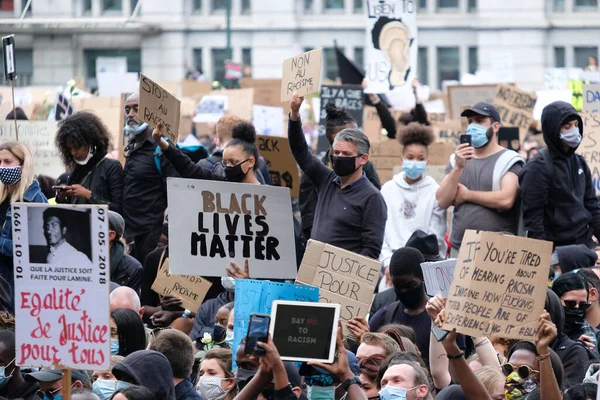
(591, 98)
(590, 146)
(515, 107)
(61, 264)
(191, 290)
(447, 131)
(213, 222)
(157, 104)
(268, 120)
(254, 296)
(391, 54)
(211, 108)
(282, 165)
(372, 123)
(438, 276)
(301, 74)
(39, 137)
(195, 89)
(342, 276)
(267, 92)
(304, 331)
(349, 98)
(468, 95)
(499, 286)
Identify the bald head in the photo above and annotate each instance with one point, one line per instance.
(126, 297)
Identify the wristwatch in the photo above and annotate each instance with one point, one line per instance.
(350, 382)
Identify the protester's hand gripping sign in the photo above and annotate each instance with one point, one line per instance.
(499, 286)
(61, 269)
(157, 104)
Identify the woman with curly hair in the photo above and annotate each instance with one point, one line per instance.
(410, 195)
(82, 141)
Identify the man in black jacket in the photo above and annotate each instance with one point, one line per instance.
(124, 269)
(559, 199)
(337, 120)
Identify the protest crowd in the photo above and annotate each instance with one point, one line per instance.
(479, 282)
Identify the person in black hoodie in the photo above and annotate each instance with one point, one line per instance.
(124, 269)
(559, 199)
(150, 369)
(12, 384)
(573, 353)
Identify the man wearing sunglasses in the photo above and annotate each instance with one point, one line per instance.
(50, 381)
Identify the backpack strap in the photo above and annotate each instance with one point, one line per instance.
(507, 159)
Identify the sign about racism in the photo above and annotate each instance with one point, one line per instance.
(304, 331)
(349, 98)
(391, 36)
(282, 166)
(301, 74)
(61, 268)
(515, 107)
(499, 286)
(255, 296)
(191, 290)
(438, 276)
(591, 98)
(157, 104)
(211, 223)
(343, 277)
(590, 146)
(460, 96)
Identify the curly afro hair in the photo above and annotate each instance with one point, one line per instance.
(81, 129)
(415, 133)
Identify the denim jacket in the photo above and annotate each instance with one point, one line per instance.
(33, 194)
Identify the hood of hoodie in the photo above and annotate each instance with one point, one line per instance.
(592, 374)
(554, 116)
(575, 256)
(150, 369)
(425, 182)
(557, 314)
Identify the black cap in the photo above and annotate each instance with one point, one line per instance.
(482, 108)
(426, 244)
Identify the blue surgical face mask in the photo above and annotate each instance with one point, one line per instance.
(104, 388)
(4, 379)
(414, 169)
(135, 131)
(572, 137)
(321, 392)
(54, 397)
(393, 393)
(229, 339)
(478, 134)
(114, 346)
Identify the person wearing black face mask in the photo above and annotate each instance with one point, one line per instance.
(350, 211)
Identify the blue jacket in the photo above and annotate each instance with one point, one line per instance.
(32, 195)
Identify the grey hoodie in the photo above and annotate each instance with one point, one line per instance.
(592, 374)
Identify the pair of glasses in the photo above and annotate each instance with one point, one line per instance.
(582, 305)
(524, 371)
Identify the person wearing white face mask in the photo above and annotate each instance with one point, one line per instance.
(216, 381)
(410, 195)
(557, 189)
(82, 141)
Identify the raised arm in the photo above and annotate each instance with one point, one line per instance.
(549, 389)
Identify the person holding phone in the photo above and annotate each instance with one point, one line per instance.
(17, 183)
(82, 141)
(482, 179)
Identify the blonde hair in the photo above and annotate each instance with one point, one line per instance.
(23, 154)
(490, 376)
(225, 126)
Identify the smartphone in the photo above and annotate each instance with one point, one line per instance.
(258, 331)
(465, 139)
(438, 332)
(58, 187)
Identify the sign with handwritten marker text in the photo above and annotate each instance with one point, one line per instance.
(301, 74)
(591, 98)
(157, 104)
(61, 269)
(499, 286)
(282, 166)
(590, 146)
(349, 98)
(438, 276)
(515, 107)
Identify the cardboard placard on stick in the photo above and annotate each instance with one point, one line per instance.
(301, 74)
(342, 277)
(515, 107)
(499, 286)
(191, 290)
(157, 104)
(282, 166)
(590, 146)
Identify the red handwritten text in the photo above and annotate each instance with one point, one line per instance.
(51, 301)
(82, 331)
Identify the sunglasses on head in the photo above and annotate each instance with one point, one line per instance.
(524, 371)
(582, 305)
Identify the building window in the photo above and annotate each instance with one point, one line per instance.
(586, 4)
(359, 57)
(134, 62)
(247, 57)
(448, 64)
(472, 6)
(331, 69)
(358, 6)
(133, 4)
(197, 59)
(473, 60)
(559, 57)
(246, 7)
(582, 55)
(112, 5)
(218, 5)
(423, 5)
(87, 6)
(558, 5)
(447, 4)
(7, 5)
(197, 6)
(24, 63)
(308, 6)
(218, 64)
(423, 66)
(334, 4)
